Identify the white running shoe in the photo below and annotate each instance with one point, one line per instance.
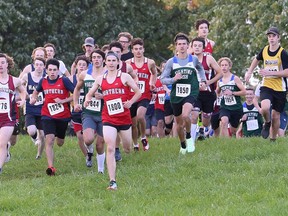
(190, 145)
(182, 151)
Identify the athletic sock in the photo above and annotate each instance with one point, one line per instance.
(101, 162)
(193, 131)
(188, 135)
(183, 145)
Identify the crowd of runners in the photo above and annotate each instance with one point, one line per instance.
(116, 96)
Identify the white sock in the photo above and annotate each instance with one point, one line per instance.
(90, 148)
(193, 131)
(100, 162)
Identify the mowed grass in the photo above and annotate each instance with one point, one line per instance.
(222, 177)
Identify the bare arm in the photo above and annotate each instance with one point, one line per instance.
(76, 93)
(240, 85)
(251, 69)
(153, 77)
(92, 91)
(21, 90)
(214, 65)
(127, 80)
(131, 72)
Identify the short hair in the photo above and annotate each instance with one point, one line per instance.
(249, 88)
(52, 61)
(98, 51)
(105, 47)
(40, 59)
(115, 44)
(225, 59)
(125, 34)
(111, 53)
(9, 60)
(199, 39)
(200, 22)
(181, 36)
(137, 41)
(83, 58)
(50, 45)
(39, 48)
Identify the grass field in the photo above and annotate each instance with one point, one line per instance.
(222, 177)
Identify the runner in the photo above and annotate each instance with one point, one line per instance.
(115, 86)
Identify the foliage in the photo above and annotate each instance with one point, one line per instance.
(223, 177)
(238, 27)
(28, 24)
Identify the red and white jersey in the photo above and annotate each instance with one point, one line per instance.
(208, 48)
(209, 73)
(160, 95)
(7, 101)
(144, 75)
(114, 95)
(50, 107)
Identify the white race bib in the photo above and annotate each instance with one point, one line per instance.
(55, 108)
(39, 100)
(183, 90)
(81, 100)
(252, 125)
(141, 86)
(229, 100)
(115, 106)
(161, 98)
(4, 106)
(94, 105)
(271, 68)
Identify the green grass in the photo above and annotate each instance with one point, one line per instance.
(222, 177)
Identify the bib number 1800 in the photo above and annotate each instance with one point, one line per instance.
(115, 106)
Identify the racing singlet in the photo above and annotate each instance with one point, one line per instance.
(231, 102)
(50, 108)
(160, 95)
(144, 75)
(208, 48)
(273, 63)
(7, 101)
(188, 85)
(253, 125)
(114, 95)
(95, 106)
(35, 109)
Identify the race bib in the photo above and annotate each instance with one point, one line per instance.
(252, 125)
(55, 108)
(161, 98)
(229, 100)
(81, 100)
(183, 90)
(115, 106)
(4, 106)
(39, 99)
(141, 86)
(271, 68)
(218, 101)
(94, 105)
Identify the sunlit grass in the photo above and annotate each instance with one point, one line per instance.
(222, 177)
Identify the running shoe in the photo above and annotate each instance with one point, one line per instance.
(183, 151)
(265, 130)
(190, 145)
(38, 157)
(145, 144)
(118, 156)
(112, 185)
(50, 171)
(201, 135)
(136, 147)
(89, 159)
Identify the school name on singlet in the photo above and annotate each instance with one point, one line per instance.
(230, 87)
(53, 91)
(113, 91)
(6, 90)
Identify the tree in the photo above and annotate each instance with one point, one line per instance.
(28, 24)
